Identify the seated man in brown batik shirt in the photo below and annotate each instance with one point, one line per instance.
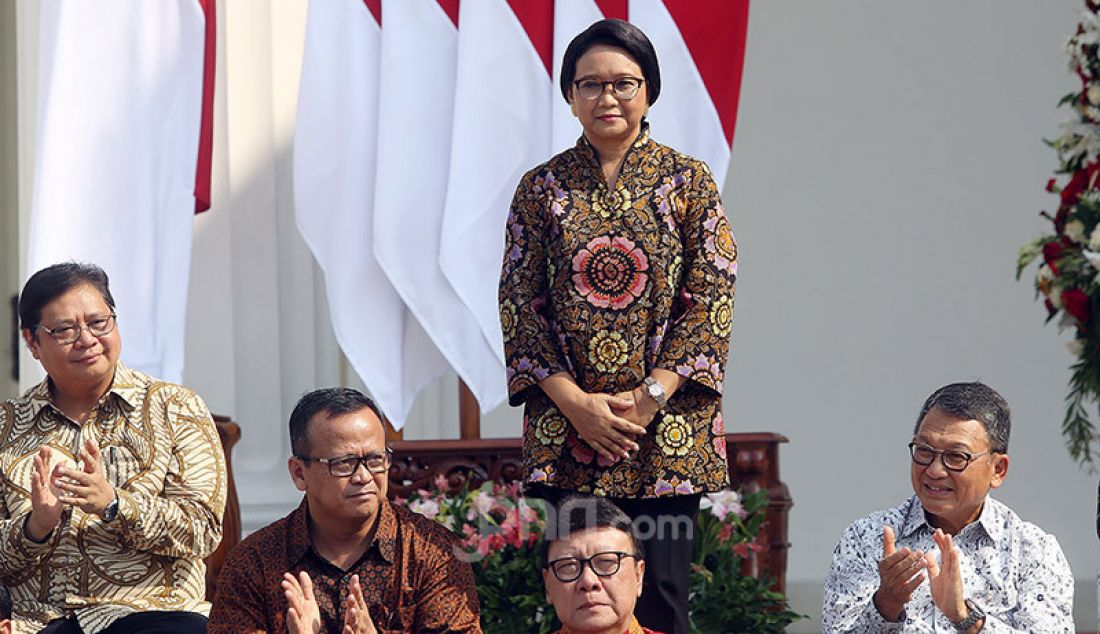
(345, 557)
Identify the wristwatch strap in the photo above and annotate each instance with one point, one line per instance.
(976, 614)
(111, 512)
(657, 391)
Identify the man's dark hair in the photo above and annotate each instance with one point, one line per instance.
(579, 513)
(332, 401)
(973, 401)
(54, 281)
(5, 602)
(619, 34)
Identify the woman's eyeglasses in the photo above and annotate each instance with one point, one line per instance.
(624, 88)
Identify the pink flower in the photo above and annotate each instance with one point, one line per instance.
(610, 272)
(743, 549)
(726, 533)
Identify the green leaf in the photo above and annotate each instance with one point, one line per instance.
(1029, 252)
(1070, 98)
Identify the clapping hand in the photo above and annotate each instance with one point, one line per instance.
(900, 573)
(46, 507)
(303, 616)
(945, 578)
(86, 488)
(356, 616)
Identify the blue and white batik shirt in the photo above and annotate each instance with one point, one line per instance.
(1012, 569)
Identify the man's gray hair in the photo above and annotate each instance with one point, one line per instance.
(973, 401)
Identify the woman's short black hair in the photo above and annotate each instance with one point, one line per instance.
(54, 281)
(620, 34)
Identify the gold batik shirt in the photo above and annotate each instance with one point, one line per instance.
(608, 284)
(161, 452)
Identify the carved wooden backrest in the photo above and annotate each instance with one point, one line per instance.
(230, 433)
(753, 461)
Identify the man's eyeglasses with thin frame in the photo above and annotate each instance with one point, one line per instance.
(345, 466)
(97, 327)
(623, 88)
(604, 564)
(952, 460)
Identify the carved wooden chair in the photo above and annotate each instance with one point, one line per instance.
(230, 433)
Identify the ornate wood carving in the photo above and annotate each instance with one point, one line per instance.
(753, 459)
(230, 433)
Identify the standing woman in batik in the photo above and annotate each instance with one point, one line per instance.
(616, 300)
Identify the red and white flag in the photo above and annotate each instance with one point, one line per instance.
(335, 151)
(117, 173)
(701, 48)
(501, 130)
(416, 97)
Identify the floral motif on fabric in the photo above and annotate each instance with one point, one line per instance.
(608, 284)
(721, 315)
(508, 318)
(608, 351)
(551, 427)
(674, 435)
(610, 272)
(718, 429)
(721, 246)
(610, 203)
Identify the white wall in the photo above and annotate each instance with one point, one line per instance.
(887, 165)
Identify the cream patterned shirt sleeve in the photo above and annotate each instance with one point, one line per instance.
(160, 450)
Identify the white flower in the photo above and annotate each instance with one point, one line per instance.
(427, 508)
(1093, 257)
(1044, 274)
(1078, 138)
(1075, 347)
(483, 503)
(1093, 94)
(1094, 239)
(1067, 321)
(722, 504)
(1056, 297)
(448, 522)
(1075, 230)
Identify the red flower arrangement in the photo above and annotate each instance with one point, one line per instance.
(1068, 278)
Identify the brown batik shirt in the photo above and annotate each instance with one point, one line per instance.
(160, 450)
(411, 580)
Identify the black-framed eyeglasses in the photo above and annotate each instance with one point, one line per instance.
(345, 466)
(624, 88)
(98, 327)
(952, 460)
(604, 564)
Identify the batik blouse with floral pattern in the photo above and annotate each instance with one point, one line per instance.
(607, 284)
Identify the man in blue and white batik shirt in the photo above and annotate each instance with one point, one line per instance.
(951, 558)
